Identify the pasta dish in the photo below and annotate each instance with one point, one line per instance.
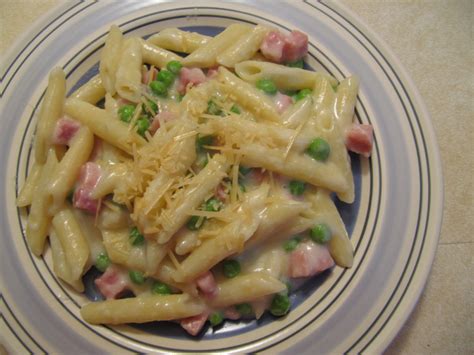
(198, 184)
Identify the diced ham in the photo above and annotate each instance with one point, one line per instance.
(65, 130)
(189, 77)
(281, 48)
(193, 325)
(112, 283)
(359, 139)
(149, 75)
(309, 259)
(89, 177)
(231, 313)
(282, 102)
(258, 175)
(164, 116)
(206, 283)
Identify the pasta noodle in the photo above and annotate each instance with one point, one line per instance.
(197, 192)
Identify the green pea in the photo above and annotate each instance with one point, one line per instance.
(213, 205)
(280, 305)
(267, 86)
(126, 113)
(166, 77)
(135, 237)
(244, 170)
(137, 277)
(302, 94)
(142, 125)
(235, 109)
(291, 244)
(231, 268)
(298, 64)
(216, 318)
(174, 66)
(159, 88)
(319, 149)
(151, 105)
(213, 108)
(102, 262)
(321, 233)
(160, 288)
(195, 223)
(244, 309)
(297, 187)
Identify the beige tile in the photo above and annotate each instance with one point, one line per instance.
(442, 322)
(433, 39)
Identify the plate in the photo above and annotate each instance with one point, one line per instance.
(394, 223)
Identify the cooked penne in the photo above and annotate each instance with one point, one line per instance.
(244, 48)
(142, 309)
(121, 252)
(285, 78)
(245, 288)
(109, 59)
(25, 197)
(206, 55)
(103, 125)
(51, 110)
(346, 101)
(157, 56)
(128, 78)
(92, 92)
(73, 242)
(177, 40)
(248, 96)
(39, 219)
(67, 171)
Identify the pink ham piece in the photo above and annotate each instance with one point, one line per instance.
(189, 77)
(164, 116)
(281, 48)
(112, 283)
(193, 325)
(359, 139)
(65, 130)
(221, 193)
(89, 177)
(282, 102)
(206, 283)
(309, 259)
(212, 73)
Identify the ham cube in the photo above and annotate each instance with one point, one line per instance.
(309, 259)
(65, 130)
(89, 177)
(207, 284)
(189, 77)
(231, 313)
(193, 325)
(281, 48)
(359, 139)
(112, 283)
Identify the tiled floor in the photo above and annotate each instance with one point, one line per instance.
(433, 39)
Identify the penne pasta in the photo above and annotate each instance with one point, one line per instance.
(103, 125)
(25, 197)
(109, 59)
(92, 92)
(51, 110)
(142, 309)
(157, 56)
(285, 78)
(206, 55)
(177, 40)
(128, 78)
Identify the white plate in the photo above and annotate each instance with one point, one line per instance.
(394, 223)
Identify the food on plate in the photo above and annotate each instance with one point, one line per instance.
(200, 185)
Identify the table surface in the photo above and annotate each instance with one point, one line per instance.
(433, 40)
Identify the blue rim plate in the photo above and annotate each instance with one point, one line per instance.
(394, 223)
